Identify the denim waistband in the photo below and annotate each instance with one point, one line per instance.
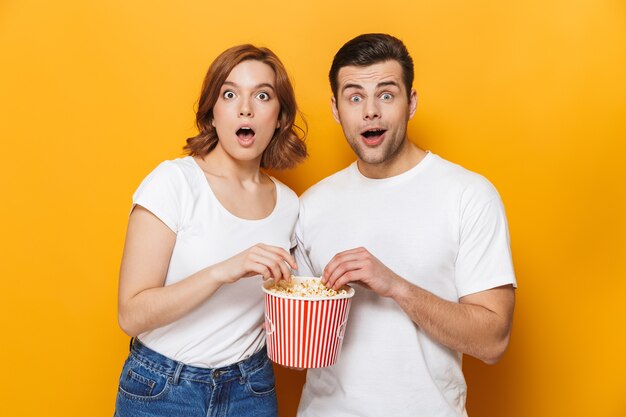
(178, 370)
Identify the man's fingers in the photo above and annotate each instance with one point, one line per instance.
(340, 271)
(341, 259)
(345, 279)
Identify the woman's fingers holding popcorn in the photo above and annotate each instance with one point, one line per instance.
(252, 266)
(261, 259)
(275, 259)
(286, 256)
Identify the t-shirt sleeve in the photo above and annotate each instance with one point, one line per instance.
(161, 193)
(300, 252)
(484, 258)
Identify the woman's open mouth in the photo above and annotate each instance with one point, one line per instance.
(245, 136)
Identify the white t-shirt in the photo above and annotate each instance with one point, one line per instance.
(226, 328)
(437, 225)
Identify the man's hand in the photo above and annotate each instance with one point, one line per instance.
(359, 265)
(478, 325)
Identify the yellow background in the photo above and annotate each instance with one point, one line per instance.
(532, 94)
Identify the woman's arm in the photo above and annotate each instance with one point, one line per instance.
(144, 303)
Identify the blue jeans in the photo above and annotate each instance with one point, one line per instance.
(154, 385)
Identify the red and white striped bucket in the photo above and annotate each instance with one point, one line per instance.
(305, 332)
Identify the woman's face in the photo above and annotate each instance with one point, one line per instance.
(247, 109)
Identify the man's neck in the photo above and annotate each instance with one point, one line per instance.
(408, 157)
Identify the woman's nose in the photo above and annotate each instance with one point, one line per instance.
(245, 110)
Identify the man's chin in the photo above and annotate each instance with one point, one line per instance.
(370, 157)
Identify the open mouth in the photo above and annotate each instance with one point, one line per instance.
(245, 133)
(373, 135)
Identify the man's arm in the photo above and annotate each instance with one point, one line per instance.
(478, 325)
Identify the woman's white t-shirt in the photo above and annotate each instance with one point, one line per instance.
(226, 328)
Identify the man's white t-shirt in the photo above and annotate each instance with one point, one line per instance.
(226, 328)
(437, 225)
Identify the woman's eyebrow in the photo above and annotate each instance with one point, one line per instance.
(261, 85)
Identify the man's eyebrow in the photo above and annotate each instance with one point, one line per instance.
(379, 85)
(347, 86)
(262, 85)
(387, 84)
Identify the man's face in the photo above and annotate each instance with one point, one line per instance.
(373, 110)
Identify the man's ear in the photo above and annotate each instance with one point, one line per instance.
(412, 103)
(333, 107)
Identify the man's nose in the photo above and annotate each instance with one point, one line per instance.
(371, 110)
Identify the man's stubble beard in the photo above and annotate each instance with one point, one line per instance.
(391, 149)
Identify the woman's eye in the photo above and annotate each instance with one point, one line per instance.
(355, 99)
(228, 95)
(263, 96)
(386, 96)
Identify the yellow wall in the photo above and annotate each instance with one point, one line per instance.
(532, 94)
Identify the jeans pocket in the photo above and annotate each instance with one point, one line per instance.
(141, 382)
(261, 380)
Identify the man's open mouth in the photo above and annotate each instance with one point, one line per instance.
(373, 133)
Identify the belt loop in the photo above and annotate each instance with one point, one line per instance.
(130, 345)
(242, 369)
(179, 369)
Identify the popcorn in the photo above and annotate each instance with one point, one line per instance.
(311, 288)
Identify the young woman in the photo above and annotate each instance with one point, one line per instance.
(203, 231)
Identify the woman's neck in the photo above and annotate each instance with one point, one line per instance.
(220, 164)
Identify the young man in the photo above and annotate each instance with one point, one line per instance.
(424, 240)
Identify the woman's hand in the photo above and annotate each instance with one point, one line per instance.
(145, 303)
(260, 259)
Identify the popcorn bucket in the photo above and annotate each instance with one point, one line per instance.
(305, 332)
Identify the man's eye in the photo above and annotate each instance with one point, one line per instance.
(386, 96)
(263, 96)
(228, 95)
(355, 99)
